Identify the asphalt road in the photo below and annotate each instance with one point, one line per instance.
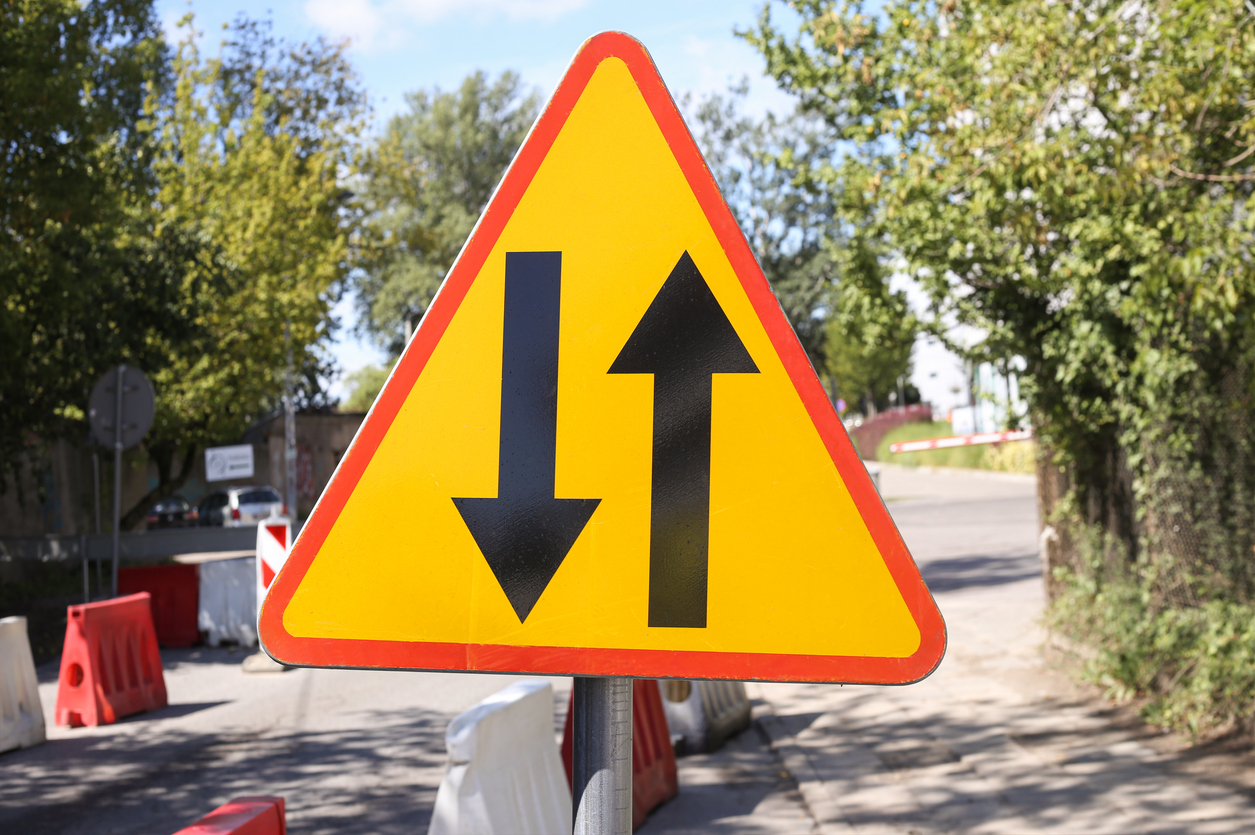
(363, 752)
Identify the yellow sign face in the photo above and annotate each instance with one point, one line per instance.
(604, 451)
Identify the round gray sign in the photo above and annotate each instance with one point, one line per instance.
(138, 403)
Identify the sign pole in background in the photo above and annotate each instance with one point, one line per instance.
(119, 390)
(601, 757)
(120, 414)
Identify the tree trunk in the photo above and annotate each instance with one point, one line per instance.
(166, 485)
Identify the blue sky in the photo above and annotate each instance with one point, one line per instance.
(403, 45)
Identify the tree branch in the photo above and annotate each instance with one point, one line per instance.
(1212, 178)
(163, 490)
(1241, 156)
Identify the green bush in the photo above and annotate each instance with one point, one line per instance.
(1194, 665)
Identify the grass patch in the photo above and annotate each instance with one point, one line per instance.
(1013, 457)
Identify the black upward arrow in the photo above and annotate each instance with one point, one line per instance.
(683, 338)
(525, 533)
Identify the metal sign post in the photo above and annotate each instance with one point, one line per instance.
(601, 758)
(289, 434)
(120, 414)
(119, 389)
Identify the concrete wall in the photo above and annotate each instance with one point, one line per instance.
(321, 441)
(56, 491)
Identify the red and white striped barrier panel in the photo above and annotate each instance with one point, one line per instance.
(961, 440)
(274, 541)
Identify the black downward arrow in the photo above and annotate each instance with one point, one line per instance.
(525, 533)
(683, 338)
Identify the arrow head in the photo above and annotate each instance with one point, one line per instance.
(525, 540)
(684, 333)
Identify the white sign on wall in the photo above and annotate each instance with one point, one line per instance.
(228, 462)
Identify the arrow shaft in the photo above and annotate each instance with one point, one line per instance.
(529, 374)
(525, 532)
(683, 339)
(679, 530)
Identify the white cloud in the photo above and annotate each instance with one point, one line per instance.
(376, 24)
(357, 20)
(429, 10)
(716, 65)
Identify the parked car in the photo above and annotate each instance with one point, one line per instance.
(174, 512)
(233, 507)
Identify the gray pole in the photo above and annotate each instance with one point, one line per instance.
(289, 434)
(96, 482)
(601, 762)
(82, 551)
(117, 474)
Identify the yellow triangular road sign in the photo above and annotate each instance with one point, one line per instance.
(604, 452)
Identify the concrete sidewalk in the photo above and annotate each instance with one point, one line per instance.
(995, 741)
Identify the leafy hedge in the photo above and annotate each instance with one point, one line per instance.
(1194, 666)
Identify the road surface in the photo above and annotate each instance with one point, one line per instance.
(996, 741)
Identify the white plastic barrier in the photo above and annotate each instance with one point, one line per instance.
(873, 470)
(505, 775)
(704, 714)
(228, 601)
(21, 715)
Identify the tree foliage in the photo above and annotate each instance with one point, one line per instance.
(869, 338)
(364, 386)
(833, 290)
(425, 183)
(250, 148)
(1076, 182)
(786, 220)
(82, 284)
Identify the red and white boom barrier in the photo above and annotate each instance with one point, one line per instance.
(961, 440)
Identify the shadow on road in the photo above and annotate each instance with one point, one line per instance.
(984, 570)
(339, 781)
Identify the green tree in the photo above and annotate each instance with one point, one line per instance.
(1076, 182)
(251, 146)
(869, 337)
(83, 285)
(787, 217)
(834, 291)
(426, 181)
(364, 386)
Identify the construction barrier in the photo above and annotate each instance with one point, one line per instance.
(654, 779)
(228, 601)
(175, 595)
(274, 540)
(873, 470)
(21, 715)
(110, 666)
(243, 816)
(704, 714)
(950, 441)
(504, 776)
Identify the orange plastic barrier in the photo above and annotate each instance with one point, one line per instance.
(242, 816)
(110, 666)
(654, 780)
(175, 590)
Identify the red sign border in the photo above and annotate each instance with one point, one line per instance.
(545, 660)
